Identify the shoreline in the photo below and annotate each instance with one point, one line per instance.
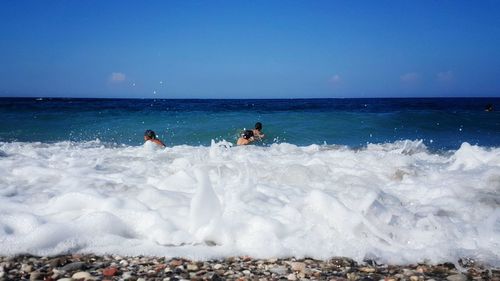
(112, 267)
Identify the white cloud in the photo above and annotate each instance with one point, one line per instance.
(411, 77)
(117, 77)
(445, 76)
(335, 79)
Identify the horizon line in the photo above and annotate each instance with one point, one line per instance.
(295, 98)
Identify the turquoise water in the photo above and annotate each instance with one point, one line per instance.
(440, 123)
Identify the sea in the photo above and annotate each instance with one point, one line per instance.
(396, 180)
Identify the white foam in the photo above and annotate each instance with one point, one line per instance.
(394, 202)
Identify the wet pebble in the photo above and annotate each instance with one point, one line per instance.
(73, 266)
(298, 266)
(457, 277)
(82, 275)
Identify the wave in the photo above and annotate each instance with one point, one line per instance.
(394, 202)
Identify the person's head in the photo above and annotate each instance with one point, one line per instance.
(149, 135)
(247, 134)
(258, 126)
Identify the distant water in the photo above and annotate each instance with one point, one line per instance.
(399, 180)
(442, 123)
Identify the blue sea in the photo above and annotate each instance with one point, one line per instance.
(442, 123)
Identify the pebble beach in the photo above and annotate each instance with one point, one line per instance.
(110, 267)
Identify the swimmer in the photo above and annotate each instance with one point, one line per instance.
(257, 132)
(150, 135)
(489, 108)
(246, 138)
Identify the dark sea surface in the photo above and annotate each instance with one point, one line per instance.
(442, 123)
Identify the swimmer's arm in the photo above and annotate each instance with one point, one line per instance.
(259, 136)
(159, 142)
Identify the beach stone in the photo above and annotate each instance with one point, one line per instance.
(280, 270)
(399, 276)
(408, 272)
(141, 279)
(246, 272)
(457, 277)
(35, 275)
(126, 275)
(292, 277)
(414, 278)
(367, 269)
(56, 274)
(82, 275)
(352, 276)
(66, 279)
(422, 269)
(56, 262)
(73, 266)
(298, 266)
(216, 277)
(175, 263)
(218, 266)
(26, 267)
(192, 267)
(110, 271)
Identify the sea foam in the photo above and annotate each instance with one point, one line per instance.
(394, 202)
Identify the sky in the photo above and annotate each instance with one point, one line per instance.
(249, 49)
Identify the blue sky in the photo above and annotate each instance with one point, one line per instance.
(249, 49)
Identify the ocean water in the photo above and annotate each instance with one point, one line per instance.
(440, 123)
(395, 180)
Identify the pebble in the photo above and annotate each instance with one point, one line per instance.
(367, 269)
(291, 276)
(73, 266)
(110, 271)
(280, 270)
(66, 279)
(26, 268)
(126, 275)
(298, 266)
(174, 263)
(408, 272)
(192, 267)
(218, 266)
(82, 275)
(35, 275)
(456, 277)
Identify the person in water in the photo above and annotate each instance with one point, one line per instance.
(150, 135)
(257, 132)
(489, 107)
(246, 137)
